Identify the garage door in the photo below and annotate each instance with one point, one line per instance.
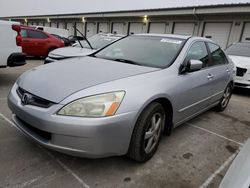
(53, 24)
(184, 28)
(246, 33)
(40, 23)
(70, 27)
(80, 27)
(90, 29)
(218, 32)
(30, 24)
(47, 24)
(61, 25)
(103, 27)
(157, 28)
(118, 28)
(135, 28)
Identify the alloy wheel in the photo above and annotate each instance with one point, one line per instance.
(153, 133)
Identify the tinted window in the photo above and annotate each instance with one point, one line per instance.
(24, 33)
(217, 55)
(37, 34)
(144, 50)
(240, 49)
(198, 51)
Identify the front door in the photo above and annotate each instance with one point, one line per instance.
(195, 87)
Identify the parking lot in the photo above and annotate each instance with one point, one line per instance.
(197, 154)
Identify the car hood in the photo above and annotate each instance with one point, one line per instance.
(56, 81)
(240, 61)
(70, 52)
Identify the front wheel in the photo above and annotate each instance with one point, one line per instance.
(225, 98)
(147, 133)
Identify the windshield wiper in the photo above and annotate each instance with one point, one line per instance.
(126, 61)
(85, 38)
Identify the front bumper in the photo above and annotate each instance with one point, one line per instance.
(85, 137)
(242, 83)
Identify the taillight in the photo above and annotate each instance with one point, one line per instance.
(17, 28)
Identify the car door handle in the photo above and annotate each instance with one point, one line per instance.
(210, 76)
(228, 71)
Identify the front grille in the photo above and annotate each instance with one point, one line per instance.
(43, 134)
(241, 85)
(240, 71)
(34, 100)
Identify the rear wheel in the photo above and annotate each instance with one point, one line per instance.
(147, 133)
(225, 98)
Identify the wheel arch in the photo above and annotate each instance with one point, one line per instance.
(167, 104)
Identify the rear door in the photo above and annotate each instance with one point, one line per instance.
(37, 43)
(219, 71)
(26, 43)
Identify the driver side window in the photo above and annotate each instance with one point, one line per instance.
(198, 51)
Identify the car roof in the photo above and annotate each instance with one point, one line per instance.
(184, 37)
(242, 44)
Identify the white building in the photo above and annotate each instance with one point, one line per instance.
(224, 22)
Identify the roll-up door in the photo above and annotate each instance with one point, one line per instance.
(118, 28)
(90, 29)
(157, 27)
(184, 28)
(246, 33)
(218, 32)
(135, 28)
(103, 27)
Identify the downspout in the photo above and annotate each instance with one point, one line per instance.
(198, 19)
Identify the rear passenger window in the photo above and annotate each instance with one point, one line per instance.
(24, 33)
(198, 51)
(37, 34)
(217, 55)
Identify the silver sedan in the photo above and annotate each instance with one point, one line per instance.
(123, 98)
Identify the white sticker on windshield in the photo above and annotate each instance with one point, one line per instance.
(171, 41)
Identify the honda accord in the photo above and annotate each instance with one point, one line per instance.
(123, 98)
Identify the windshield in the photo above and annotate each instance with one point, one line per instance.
(153, 51)
(98, 41)
(240, 49)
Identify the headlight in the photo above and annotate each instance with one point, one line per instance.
(94, 106)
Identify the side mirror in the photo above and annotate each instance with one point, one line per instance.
(191, 66)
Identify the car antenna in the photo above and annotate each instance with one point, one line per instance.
(85, 38)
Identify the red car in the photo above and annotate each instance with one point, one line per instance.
(38, 43)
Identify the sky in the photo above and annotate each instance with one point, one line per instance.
(10, 8)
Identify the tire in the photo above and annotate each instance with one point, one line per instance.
(140, 149)
(225, 98)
